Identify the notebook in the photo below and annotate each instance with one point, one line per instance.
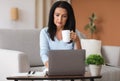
(66, 62)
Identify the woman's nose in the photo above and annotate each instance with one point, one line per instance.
(60, 18)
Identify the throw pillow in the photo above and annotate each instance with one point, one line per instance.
(91, 46)
(111, 55)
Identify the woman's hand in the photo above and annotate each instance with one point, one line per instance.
(74, 37)
(46, 64)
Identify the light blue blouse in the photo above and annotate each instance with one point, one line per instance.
(47, 44)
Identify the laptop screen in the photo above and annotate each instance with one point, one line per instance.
(66, 62)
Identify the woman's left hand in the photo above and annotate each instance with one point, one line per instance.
(74, 37)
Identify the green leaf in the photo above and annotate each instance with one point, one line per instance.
(86, 27)
(94, 59)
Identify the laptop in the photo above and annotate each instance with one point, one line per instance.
(66, 62)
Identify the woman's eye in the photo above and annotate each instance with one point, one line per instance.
(65, 16)
(57, 14)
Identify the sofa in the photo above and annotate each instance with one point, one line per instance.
(20, 52)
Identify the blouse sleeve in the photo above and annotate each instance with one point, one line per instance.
(44, 45)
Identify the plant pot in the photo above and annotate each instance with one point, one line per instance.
(95, 70)
(92, 46)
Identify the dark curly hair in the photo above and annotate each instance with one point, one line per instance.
(70, 24)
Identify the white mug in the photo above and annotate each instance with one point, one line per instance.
(66, 35)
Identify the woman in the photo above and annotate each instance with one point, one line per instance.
(61, 17)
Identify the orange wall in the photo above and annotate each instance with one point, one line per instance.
(108, 22)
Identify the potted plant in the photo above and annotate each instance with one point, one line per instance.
(91, 26)
(95, 62)
(91, 45)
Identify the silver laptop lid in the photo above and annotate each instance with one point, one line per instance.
(66, 62)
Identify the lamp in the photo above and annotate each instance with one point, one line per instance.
(14, 13)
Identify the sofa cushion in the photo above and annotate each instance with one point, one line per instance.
(25, 40)
(111, 55)
(91, 46)
(109, 74)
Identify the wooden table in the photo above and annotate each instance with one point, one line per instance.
(72, 78)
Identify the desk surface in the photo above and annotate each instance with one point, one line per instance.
(86, 76)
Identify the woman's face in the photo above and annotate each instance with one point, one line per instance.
(60, 17)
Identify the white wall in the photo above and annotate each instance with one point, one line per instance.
(32, 13)
(26, 13)
(39, 13)
(42, 12)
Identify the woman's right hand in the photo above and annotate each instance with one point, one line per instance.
(46, 64)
